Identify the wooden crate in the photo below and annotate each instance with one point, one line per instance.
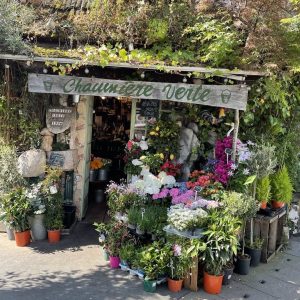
(269, 229)
(191, 279)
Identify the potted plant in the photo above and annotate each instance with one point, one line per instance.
(127, 253)
(263, 191)
(179, 263)
(221, 238)
(54, 217)
(244, 207)
(103, 230)
(281, 188)
(36, 199)
(17, 209)
(115, 235)
(254, 250)
(133, 216)
(153, 260)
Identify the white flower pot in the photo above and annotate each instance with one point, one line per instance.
(38, 229)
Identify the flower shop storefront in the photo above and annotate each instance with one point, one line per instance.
(134, 106)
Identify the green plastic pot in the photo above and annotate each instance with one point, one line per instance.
(150, 286)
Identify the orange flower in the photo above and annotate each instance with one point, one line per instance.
(96, 164)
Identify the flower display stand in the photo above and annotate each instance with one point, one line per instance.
(270, 229)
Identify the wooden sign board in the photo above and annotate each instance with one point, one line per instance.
(56, 159)
(58, 119)
(227, 96)
(149, 108)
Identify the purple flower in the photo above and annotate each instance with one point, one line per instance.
(176, 250)
(174, 192)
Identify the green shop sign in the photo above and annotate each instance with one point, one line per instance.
(228, 96)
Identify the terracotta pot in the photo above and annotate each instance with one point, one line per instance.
(22, 238)
(53, 236)
(277, 204)
(212, 284)
(263, 204)
(174, 285)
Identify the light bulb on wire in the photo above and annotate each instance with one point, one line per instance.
(184, 80)
(143, 75)
(86, 71)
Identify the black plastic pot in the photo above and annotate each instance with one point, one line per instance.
(255, 256)
(242, 266)
(227, 275)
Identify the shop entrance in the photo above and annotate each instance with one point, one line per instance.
(110, 133)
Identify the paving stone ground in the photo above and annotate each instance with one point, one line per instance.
(74, 269)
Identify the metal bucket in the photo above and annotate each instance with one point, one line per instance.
(99, 196)
(103, 174)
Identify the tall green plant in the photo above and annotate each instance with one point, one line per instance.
(281, 186)
(263, 189)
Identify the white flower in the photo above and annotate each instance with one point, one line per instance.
(166, 179)
(233, 167)
(143, 145)
(136, 162)
(246, 172)
(230, 173)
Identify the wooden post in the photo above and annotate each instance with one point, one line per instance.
(235, 133)
(132, 118)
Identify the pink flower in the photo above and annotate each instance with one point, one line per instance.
(176, 250)
(129, 145)
(174, 192)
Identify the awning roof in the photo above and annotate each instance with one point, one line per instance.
(235, 74)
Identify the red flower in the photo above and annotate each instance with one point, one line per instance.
(129, 145)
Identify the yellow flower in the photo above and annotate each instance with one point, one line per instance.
(172, 156)
(161, 155)
(152, 133)
(142, 157)
(157, 128)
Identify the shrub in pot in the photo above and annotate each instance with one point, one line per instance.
(133, 216)
(221, 243)
(263, 191)
(16, 211)
(36, 198)
(115, 234)
(153, 261)
(102, 229)
(281, 188)
(127, 253)
(54, 217)
(254, 250)
(243, 207)
(179, 263)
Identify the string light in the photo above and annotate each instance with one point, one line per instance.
(45, 70)
(143, 75)
(86, 71)
(184, 80)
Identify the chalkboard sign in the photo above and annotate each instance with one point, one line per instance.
(56, 159)
(149, 108)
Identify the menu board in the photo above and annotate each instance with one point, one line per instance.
(149, 108)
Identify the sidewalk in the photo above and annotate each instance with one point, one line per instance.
(74, 269)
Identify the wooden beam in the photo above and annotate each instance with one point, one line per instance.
(214, 71)
(235, 133)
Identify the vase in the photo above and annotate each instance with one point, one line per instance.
(53, 236)
(38, 229)
(10, 233)
(22, 238)
(103, 174)
(212, 284)
(93, 175)
(114, 262)
(175, 286)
